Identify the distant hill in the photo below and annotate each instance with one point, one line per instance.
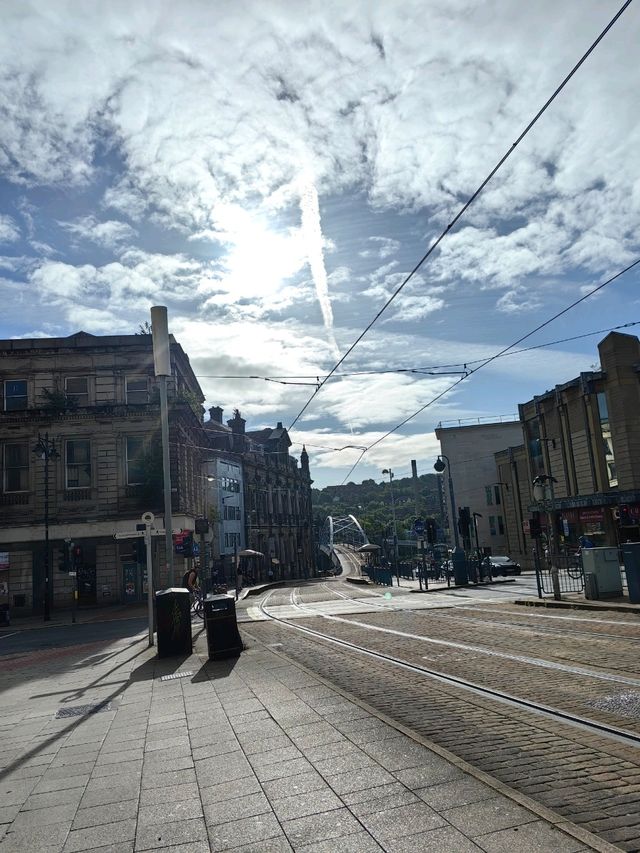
(370, 502)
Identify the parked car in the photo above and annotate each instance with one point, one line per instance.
(503, 566)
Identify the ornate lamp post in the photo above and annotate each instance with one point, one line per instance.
(544, 495)
(439, 466)
(45, 449)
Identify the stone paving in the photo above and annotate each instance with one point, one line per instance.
(254, 754)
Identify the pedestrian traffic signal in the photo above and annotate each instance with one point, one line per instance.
(76, 556)
(64, 560)
(464, 520)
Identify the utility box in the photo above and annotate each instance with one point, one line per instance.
(631, 556)
(223, 637)
(604, 564)
(460, 576)
(173, 617)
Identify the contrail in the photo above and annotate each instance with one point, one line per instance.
(312, 235)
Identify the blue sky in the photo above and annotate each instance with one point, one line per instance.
(271, 171)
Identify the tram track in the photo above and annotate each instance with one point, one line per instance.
(631, 737)
(585, 768)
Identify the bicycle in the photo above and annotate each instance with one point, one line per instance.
(197, 603)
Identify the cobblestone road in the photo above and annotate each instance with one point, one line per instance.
(589, 778)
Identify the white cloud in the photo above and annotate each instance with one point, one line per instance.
(110, 234)
(9, 231)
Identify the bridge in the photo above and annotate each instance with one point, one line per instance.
(341, 531)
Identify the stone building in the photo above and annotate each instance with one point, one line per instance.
(470, 450)
(276, 496)
(585, 433)
(94, 401)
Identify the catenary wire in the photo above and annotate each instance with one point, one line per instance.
(468, 203)
(430, 367)
(497, 355)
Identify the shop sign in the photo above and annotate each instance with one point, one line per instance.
(592, 516)
(4, 560)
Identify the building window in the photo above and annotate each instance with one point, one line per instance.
(135, 454)
(532, 428)
(16, 468)
(492, 525)
(137, 390)
(496, 491)
(15, 395)
(605, 431)
(488, 495)
(500, 526)
(78, 463)
(77, 387)
(231, 540)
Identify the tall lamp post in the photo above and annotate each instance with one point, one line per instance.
(45, 449)
(393, 516)
(439, 466)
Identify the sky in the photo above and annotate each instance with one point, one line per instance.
(271, 171)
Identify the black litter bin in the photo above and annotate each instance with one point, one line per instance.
(173, 620)
(223, 637)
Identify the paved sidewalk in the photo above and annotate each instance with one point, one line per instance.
(254, 754)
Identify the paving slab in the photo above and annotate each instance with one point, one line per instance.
(254, 755)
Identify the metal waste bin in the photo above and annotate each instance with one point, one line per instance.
(173, 620)
(631, 557)
(460, 576)
(591, 592)
(223, 637)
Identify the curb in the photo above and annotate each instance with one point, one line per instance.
(578, 605)
(556, 820)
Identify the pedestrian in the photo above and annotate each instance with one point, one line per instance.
(190, 579)
(238, 582)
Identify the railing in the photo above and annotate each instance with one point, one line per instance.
(77, 495)
(564, 569)
(14, 499)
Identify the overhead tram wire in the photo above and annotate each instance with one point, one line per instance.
(492, 358)
(427, 370)
(467, 204)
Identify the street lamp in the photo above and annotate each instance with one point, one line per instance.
(439, 466)
(45, 449)
(395, 531)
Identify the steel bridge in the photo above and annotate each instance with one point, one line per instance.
(341, 531)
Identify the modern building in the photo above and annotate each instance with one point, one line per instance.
(585, 434)
(469, 451)
(81, 461)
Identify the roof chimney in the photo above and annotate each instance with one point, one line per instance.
(215, 413)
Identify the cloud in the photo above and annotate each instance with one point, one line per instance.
(9, 231)
(109, 234)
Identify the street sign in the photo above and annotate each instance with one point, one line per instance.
(132, 534)
(418, 526)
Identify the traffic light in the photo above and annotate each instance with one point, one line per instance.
(187, 545)
(535, 528)
(140, 551)
(625, 516)
(76, 556)
(64, 560)
(431, 530)
(464, 520)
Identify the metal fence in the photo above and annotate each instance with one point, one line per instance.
(568, 569)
